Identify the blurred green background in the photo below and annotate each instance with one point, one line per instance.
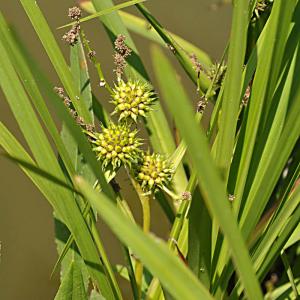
(28, 251)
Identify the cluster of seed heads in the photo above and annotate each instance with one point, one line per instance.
(132, 99)
(154, 172)
(116, 145)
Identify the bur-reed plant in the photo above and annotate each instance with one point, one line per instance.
(229, 189)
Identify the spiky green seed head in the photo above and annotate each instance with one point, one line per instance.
(154, 172)
(132, 99)
(116, 145)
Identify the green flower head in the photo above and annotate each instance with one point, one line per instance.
(154, 172)
(132, 99)
(116, 145)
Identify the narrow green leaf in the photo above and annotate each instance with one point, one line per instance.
(275, 238)
(275, 229)
(200, 225)
(173, 274)
(289, 272)
(295, 238)
(233, 86)
(212, 188)
(260, 193)
(258, 93)
(105, 11)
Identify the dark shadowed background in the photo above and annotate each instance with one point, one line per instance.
(28, 251)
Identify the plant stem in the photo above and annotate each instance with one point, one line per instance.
(97, 64)
(145, 202)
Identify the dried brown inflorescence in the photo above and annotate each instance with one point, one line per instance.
(68, 103)
(74, 13)
(196, 64)
(71, 37)
(91, 54)
(201, 105)
(122, 52)
(186, 195)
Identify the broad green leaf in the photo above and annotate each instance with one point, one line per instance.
(173, 274)
(212, 187)
(95, 296)
(72, 286)
(32, 89)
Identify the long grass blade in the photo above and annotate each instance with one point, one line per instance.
(233, 86)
